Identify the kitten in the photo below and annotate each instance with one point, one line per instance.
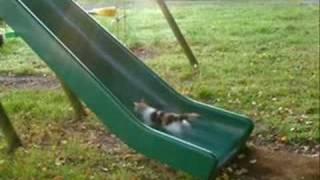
(172, 122)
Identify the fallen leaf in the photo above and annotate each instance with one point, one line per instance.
(308, 122)
(104, 169)
(225, 176)
(230, 169)
(284, 139)
(241, 156)
(59, 161)
(64, 142)
(241, 171)
(253, 161)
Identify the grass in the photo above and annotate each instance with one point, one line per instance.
(258, 59)
(56, 147)
(17, 59)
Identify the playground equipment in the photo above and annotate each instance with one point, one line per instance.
(112, 11)
(2, 38)
(100, 71)
(177, 32)
(105, 11)
(6, 35)
(8, 130)
(119, 16)
(2, 33)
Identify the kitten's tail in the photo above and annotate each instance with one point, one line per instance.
(189, 116)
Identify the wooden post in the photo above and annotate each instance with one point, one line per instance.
(1, 39)
(2, 34)
(76, 104)
(10, 134)
(177, 32)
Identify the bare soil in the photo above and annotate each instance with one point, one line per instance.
(29, 82)
(261, 163)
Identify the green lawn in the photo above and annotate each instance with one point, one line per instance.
(258, 59)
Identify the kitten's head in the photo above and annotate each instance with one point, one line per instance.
(140, 106)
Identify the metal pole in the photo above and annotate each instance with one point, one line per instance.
(10, 134)
(177, 32)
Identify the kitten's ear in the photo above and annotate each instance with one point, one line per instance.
(142, 100)
(135, 103)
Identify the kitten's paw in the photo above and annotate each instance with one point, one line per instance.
(185, 123)
(174, 128)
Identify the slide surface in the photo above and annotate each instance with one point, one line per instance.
(109, 78)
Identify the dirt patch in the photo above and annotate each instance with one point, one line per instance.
(309, 148)
(265, 164)
(29, 82)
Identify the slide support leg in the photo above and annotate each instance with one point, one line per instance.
(9, 132)
(79, 111)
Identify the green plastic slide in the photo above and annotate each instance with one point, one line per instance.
(109, 78)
